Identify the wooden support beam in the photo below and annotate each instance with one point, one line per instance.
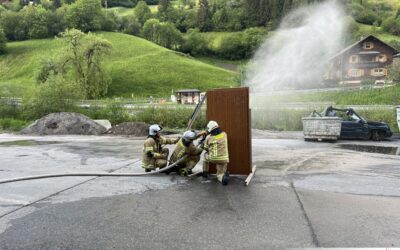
(250, 176)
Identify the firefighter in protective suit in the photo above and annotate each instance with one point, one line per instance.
(216, 147)
(154, 156)
(185, 146)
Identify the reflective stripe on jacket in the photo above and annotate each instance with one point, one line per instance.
(217, 147)
(152, 145)
(182, 150)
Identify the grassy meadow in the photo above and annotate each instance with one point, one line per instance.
(137, 67)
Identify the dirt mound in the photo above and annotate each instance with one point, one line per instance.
(64, 123)
(130, 128)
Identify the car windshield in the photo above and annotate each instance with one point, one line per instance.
(354, 117)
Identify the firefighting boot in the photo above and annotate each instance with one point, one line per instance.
(225, 178)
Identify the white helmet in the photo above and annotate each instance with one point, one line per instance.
(211, 126)
(189, 136)
(154, 129)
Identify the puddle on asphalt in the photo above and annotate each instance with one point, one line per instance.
(372, 149)
(27, 143)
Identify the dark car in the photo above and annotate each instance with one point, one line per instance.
(355, 126)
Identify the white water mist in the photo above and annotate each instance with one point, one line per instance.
(297, 54)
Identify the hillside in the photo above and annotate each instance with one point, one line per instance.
(137, 67)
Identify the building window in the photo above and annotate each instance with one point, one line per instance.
(368, 45)
(353, 59)
(378, 72)
(356, 72)
(381, 58)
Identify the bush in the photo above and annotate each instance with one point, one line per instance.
(142, 12)
(392, 25)
(3, 42)
(85, 15)
(111, 21)
(368, 81)
(122, 3)
(13, 26)
(130, 25)
(171, 118)
(111, 110)
(195, 43)
(232, 47)
(57, 94)
(367, 17)
(10, 108)
(10, 124)
(36, 21)
(394, 72)
(164, 34)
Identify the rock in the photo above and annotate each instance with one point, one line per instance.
(104, 123)
(65, 123)
(130, 128)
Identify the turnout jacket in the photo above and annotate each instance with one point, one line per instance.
(182, 150)
(217, 148)
(154, 145)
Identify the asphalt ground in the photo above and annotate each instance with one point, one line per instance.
(304, 194)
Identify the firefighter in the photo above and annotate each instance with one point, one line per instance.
(184, 147)
(216, 147)
(154, 156)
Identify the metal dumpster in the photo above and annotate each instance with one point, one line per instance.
(322, 128)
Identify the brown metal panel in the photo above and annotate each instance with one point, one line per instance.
(230, 109)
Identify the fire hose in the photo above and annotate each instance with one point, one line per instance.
(93, 174)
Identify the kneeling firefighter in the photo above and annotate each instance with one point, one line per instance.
(154, 156)
(184, 147)
(216, 147)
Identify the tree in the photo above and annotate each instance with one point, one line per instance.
(81, 62)
(57, 94)
(164, 34)
(36, 20)
(195, 43)
(3, 41)
(142, 12)
(13, 26)
(392, 25)
(220, 19)
(85, 15)
(130, 25)
(57, 22)
(56, 4)
(150, 30)
(163, 6)
(169, 37)
(394, 72)
(204, 16)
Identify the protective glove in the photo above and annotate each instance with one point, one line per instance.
(202, 133)
(150, 154)
(176, 140)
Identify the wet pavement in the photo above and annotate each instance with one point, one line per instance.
(304, 194)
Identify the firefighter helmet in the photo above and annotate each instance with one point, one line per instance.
(211, 126)
(154, 129)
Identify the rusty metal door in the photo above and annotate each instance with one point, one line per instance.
(230, 109)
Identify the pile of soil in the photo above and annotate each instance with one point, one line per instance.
(130, 128)
(65, 123)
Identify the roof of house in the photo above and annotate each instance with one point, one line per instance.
(360, 41)
(188, 91)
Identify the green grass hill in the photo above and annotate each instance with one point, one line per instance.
(137, 67)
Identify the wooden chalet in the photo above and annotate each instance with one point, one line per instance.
(368, 58)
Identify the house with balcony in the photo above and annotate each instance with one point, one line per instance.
(188, 96)
(368, 58)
